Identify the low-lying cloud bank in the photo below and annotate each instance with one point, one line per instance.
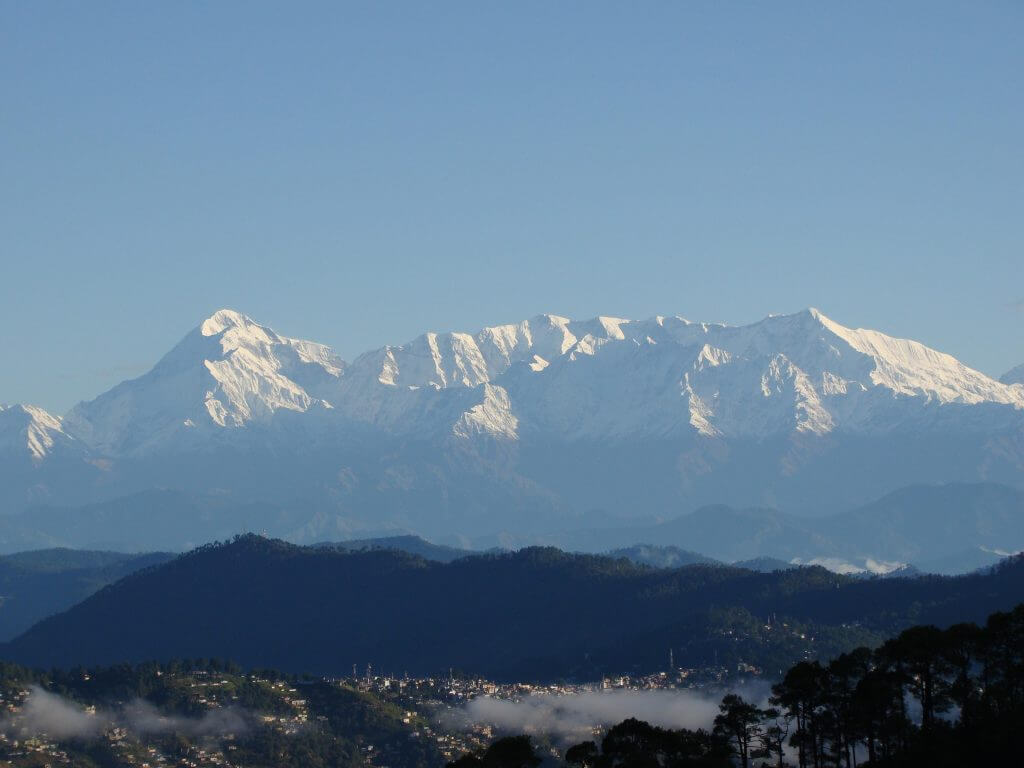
(46, 713)
(846, 568)
(571, 717)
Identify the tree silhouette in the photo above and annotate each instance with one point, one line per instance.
(584, 755)
(740, 723)
(508, 752)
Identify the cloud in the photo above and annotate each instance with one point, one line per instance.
(48, 713)
(882, 567)
(570, 718)
(1017, 305)
(57, 717)
(846, 568)
(834, 564)
(143, 718)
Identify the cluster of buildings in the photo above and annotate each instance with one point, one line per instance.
(32, 749)
(428, 705)
(25, 744)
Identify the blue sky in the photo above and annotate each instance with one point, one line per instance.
(357, 173)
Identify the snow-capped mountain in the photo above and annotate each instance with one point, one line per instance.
(538, 419)
(27, 431)
(227, 373)
(602, 378)
(800, 373)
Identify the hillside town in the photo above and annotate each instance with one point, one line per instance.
(424, 706)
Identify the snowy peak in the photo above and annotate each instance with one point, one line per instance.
(29, 430)
(513, 423)
(910, 368)
(457, 359)
(606, 377)
(237, 332)
(224, 319)
(228, 372)
(835, 356)
(797, 373)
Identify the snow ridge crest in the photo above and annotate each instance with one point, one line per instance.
(606, 377)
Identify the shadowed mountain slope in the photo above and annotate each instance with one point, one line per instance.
(534, 613)
(34, 585)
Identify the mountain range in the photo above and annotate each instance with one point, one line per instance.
(534, 614)
(40, 583)
(523, 429)
(950, 528)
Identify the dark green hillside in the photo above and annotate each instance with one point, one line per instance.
(37, 584)
(413, 545)
(536, 613)
(662, 556)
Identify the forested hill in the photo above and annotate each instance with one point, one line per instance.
(413, 545)
(37, 584)
(537, 613)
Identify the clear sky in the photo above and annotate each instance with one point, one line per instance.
(358, 173)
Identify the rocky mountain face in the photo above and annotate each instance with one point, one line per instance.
(526, 426)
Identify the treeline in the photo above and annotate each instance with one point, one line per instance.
(246, 599)
(929, 697)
